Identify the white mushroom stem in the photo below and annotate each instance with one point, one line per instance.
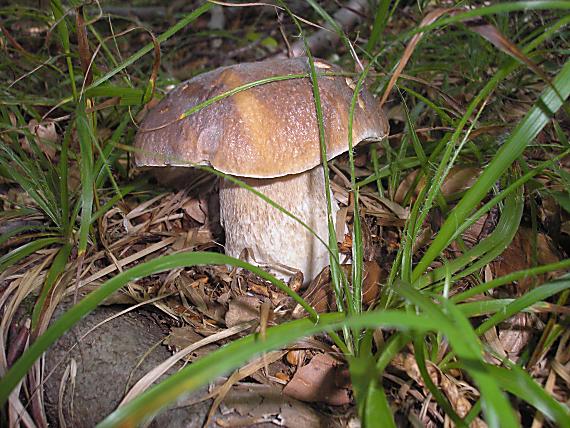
(273, 237)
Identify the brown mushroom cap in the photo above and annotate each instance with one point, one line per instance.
(267, 131)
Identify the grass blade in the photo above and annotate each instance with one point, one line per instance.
(90, 302)
(25, 250)
(86, 137)
(525, 132)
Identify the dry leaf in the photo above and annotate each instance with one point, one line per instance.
(320, 294)
(250, 404)
(182, 337)
(46, 137)
(515, 334)
(458, 180)
(197, 209)
(242, 309)
(519, 256)
(323, 380)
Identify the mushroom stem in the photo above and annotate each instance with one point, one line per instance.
(273, 237)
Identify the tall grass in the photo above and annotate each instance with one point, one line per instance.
(414, 303)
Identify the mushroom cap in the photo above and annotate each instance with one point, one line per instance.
(269, 130)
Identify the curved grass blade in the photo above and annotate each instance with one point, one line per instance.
(191, 17)
(381, 19)
(370, 397)
(420, 355)
(55, 271)
(526, 131)
(339, 282)
(496, 406)
(509, 278)
(534, 296)
(31, 178)
(86, 139)
(377, 411)
(5, 237)
(486, 250)
(25, 250)
(497, 409)
(90, 302)
(63, 31)
(237, 353)
(139, 54)
(518, 382)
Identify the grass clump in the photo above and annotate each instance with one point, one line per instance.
(482, 88)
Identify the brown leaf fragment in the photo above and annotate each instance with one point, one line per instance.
(447, 383)
(320, 294)
(83, 45)
(323, 380)
(519, 256)
(283, 376)
(242, 309)
(296, 281)
(458, 180)
(500, 41)
(373, 276)
(196, 209)
(45, 137)
(458, 400)
(195, 291)
(428, 19)
(18, 341)
(295, 356)
(515, 334)
(240, 374)
(182, 337)
(492, 339)
(250, 404)
(260, 289)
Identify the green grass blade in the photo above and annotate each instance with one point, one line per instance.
(339, 282)
(25, 250)
(54, 273)
(86, 138)
(420, 355)
(112, 201)
(496, 406)
(509, 278)
(240, 351)
(63, 168)
(371, 399)
(525, 132)
(534, 296)
(128, 96)
(518, 382)
(486, 250)
(90, 302)
(6, 236)
(31, 178)
(239, 89)
(377, 411)
(380, 20)
(456, 327)
(191, 17)
(63, 32)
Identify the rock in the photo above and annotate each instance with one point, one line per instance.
(109, 360)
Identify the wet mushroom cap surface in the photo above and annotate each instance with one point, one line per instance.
(266, 131)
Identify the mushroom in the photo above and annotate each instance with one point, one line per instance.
(268, 137)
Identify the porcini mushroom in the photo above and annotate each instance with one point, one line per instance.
(267, 136)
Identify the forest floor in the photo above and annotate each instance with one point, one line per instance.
(464, 220)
